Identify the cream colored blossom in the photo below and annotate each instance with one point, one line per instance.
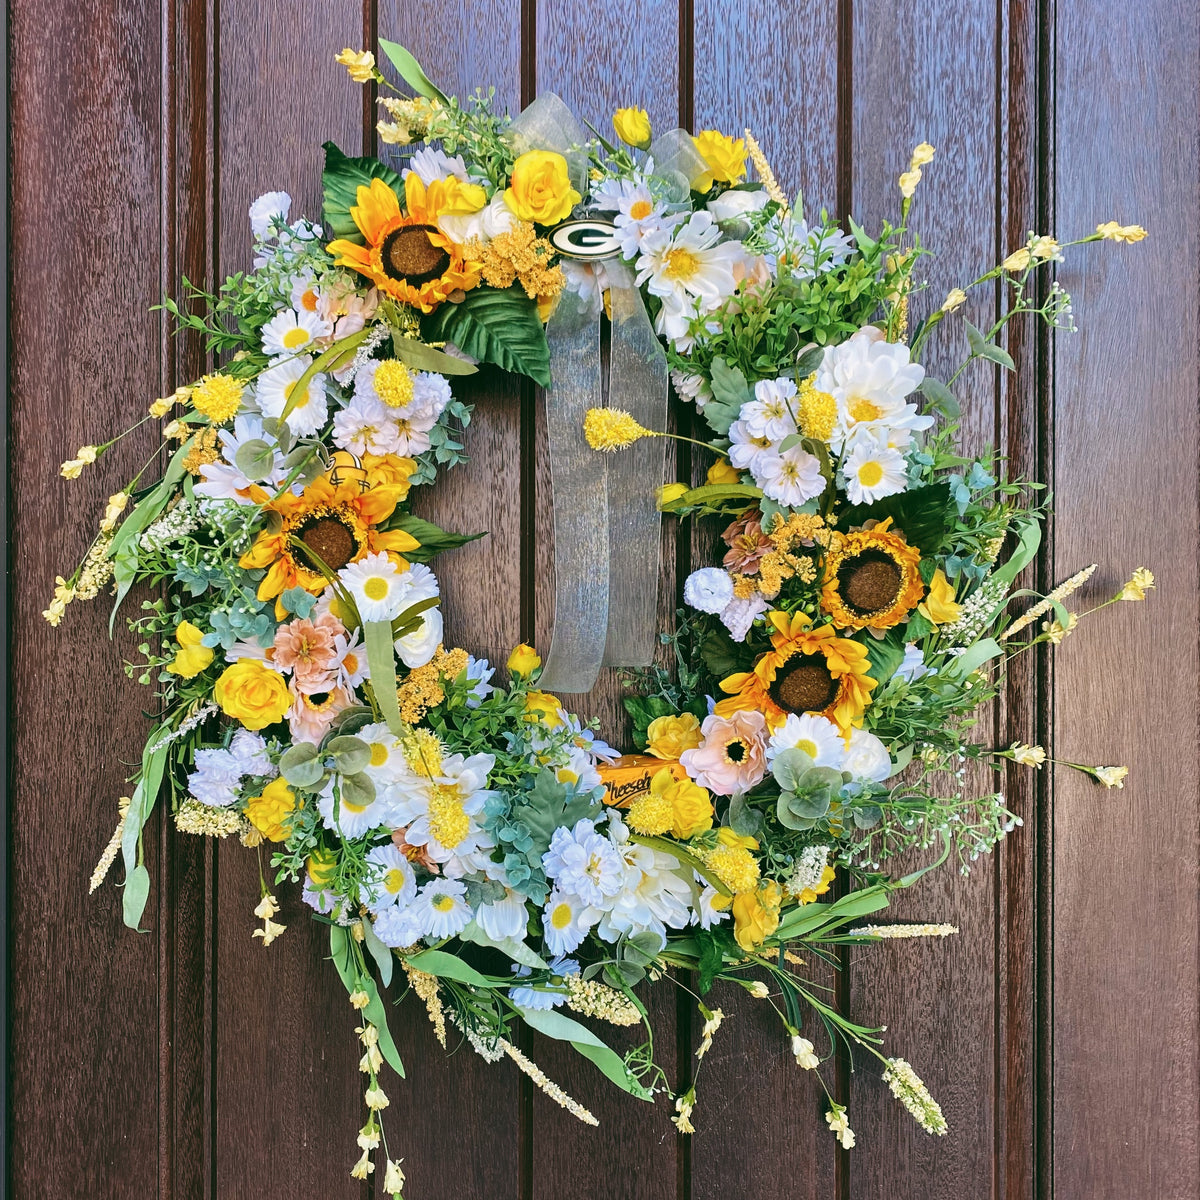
(955, 299)
(1140, 582)
(1112, 232)
(393, 1179)
(359, 999)
(1027, 756)
(1112, 777)
(1056, 631)
(1046, 249)
(1018, 260)
(268, 906)
(375, 1098)
(117, 504)
(363, 1167)
(269, 932)
(805, 1053)
(922, 155)
(908, 182)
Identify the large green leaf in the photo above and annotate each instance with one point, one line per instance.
(410, 71)
(921, 515)
(341, 180)
(433, 538)
(496, 326)
(564, 1029)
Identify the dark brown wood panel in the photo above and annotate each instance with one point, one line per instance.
(749, 1079)
(936, 997)
(1124, 962)
(85, 248)
(287, 1088)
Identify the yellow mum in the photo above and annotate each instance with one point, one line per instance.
(218, 397)
(675, 806)
(540, 190)
(252, 693)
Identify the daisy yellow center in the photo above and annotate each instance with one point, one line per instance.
(376, 588)
(393, 881)
(560, 917)
(424, 753)
(295, 338)
(640, 209)
(290, 388)
(350, 662)
(808, 746)
(680, 263)
(448, 822)
(379, 754)
(566, 775)
(861, 409)
(393, 383)
(444, 903)
(869, 474)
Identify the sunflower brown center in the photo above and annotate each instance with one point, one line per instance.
(804, 684)
(330, 541)
(409, 253)
(869, 582)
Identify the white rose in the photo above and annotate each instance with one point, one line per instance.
(268, 206)
(867, 757)
(417, 648)
(733, 204)
(491, 220)
(710, 589)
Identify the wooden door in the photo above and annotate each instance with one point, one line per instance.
(1058, 1029)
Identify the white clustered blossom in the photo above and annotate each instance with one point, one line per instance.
(1057, 596)
(914, 1095)
(975, 614)
(177, 523)
(198, 717)
(808, 869)
(902, 931)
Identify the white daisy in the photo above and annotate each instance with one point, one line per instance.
(374, 582)
(350, 662)
(769, 414)
(388, 762)
(290, 332)
(561, 923)
(747, 452)
(417, 648)
(274, 391)
(305, 295)
(706, 914)
(638, 216)
(817, 736)
(365, 426)
(397, 927)
(790, 478)
(690, 260)
(869, 378)
(584, 863)
(806, 252)
(867, 757)
(391, 879)
(873, 470)
(268, 207)
(350, 820)
(441, 907)
(222, 480)
(502, 919)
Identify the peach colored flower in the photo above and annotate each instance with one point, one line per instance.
(308, 648)
(732, 758)
(414, 854)
(747, 544)
(310, 716)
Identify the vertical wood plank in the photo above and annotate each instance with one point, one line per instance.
(929, 74)
(1125, 466)
(481, 600)
(288, 1093)
(760, 1117)
(84, 247)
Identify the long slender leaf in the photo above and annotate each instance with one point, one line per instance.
(381, 665)
(563, 1029)
(410, 71)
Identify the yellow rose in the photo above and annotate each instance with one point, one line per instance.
(939, 607)
(726, 159)
(756, 915)
(666, 495)
(389, 470)
(669, 737)
(541, 189)
(524, 660)
(321, 867)
(541, 706)
(268, 810)
(691, 806)
(633, 127)
(192, 657)
(252, 693)
(723, 471)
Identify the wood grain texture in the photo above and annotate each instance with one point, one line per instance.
(1125, 466)
(288, 1092)
(936, 997)
(760, 1117)
(84, 991)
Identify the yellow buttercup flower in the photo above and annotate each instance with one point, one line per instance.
(252, 693)
(218, 397)
(360, 65)
(725, 156)
(543, 707)
(524, 660)
(668, 737)
(723, 471)
(666, 495)
(756, 915)
(939, 607)
(269, 810)
(540, 190)
(192, 657)
(809, 894)
(1139, 584)
(1112, 232)
(633, 127)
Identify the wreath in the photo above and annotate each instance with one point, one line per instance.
(450, 823)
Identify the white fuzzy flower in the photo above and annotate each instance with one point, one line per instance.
(740, 613)
(266, 208)
(396, 926)
(867, 757)
(584, 863)
(428, 165)
(709, 589)
(365, 426)
(691, 387)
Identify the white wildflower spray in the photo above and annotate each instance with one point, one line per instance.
(914, 1095)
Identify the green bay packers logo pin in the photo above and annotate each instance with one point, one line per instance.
(586, 239)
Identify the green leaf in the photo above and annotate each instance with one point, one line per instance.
(375, 1012)
(563, 1029)
(421, 357)
(410, 71)
(341, 179)
(730, 391)
(714, 494)
(381, 666)
(358, 790)
(1029, 538)
(941, 397)
(449, 966)
(433, 539)
(885, 655)
(134, 897)
(350, 754)
(383, 957)
(975, 338)
(255, 458)
(922, 515)
(301, 766)
(501, 327)
(973, 658)
(513, 947)
(141, 804)
(997, 355)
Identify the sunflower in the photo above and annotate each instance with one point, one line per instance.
(807, 670)
(871, 579)
(408, 256)
(335, 523)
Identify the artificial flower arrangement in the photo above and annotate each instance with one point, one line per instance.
(463, 827)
